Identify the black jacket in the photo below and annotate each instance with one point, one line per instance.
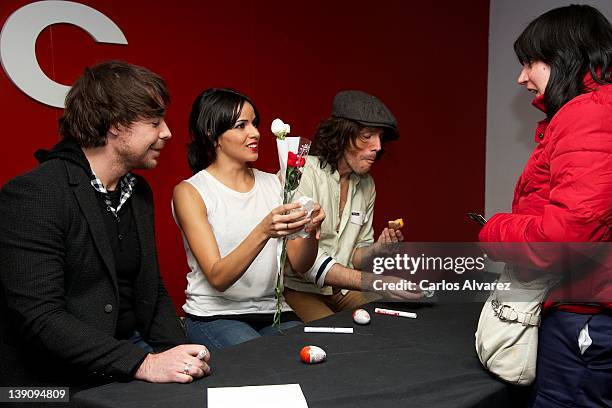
(59, 301)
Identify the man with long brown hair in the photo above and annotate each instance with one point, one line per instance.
(337, 176)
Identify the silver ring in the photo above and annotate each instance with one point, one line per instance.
(187, 368)
(202, 354)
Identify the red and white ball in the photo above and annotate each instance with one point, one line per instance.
(312, 355)
(361, 316)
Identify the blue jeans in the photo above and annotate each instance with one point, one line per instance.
(222, 333)
(566, 378)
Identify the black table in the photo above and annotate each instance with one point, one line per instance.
(392, 362)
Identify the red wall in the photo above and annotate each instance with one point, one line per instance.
(426, 60)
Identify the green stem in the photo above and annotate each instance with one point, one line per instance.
(278, 290)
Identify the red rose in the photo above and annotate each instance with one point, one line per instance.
(295, 161)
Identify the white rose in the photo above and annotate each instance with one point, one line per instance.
(279, 128)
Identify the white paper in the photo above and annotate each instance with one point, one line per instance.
(261, 396)
(307, 204)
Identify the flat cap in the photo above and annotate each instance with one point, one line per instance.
(365, 109)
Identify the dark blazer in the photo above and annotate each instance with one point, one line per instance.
(59, 301)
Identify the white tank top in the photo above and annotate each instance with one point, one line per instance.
(232, 216)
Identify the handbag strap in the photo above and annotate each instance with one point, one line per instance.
(507, 313)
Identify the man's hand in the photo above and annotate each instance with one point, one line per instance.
(180, 364)
(395, 289)
(400, 294)
(388, 242)
(388, 236)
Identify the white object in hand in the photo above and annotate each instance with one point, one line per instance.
(307, 204)
(361, 316)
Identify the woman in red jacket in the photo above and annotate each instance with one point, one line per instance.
(565, 195)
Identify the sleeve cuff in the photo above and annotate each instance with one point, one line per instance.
(319, 270)
(364, 244)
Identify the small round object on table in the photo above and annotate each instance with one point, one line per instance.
(361, 316)
(312, 355)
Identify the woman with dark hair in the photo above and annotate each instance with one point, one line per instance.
(231, 218)
(565, 195)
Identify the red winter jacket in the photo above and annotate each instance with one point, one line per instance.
(565, 195)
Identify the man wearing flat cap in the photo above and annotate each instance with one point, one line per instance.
(336, 175)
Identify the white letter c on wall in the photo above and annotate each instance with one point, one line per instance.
(18, 44)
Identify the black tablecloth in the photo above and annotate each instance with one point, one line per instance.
(392, 362)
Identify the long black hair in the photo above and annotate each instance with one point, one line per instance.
(214, 111)
(573, 41)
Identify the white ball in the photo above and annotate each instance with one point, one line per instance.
(361, 316)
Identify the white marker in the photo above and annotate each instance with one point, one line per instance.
(395, 313)
(348, 330)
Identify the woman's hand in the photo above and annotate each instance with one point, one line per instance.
(316, 219)
(302, 252)
(281, 222)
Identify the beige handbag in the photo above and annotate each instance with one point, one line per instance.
(507, 334)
